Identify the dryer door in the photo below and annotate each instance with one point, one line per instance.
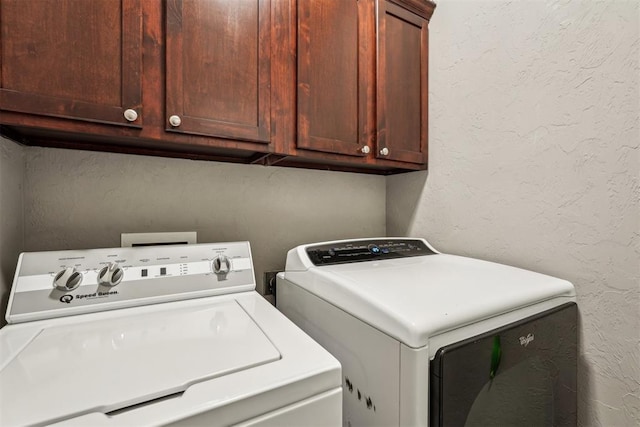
(521, 374)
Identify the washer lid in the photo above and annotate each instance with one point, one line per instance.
(416, 298)
(109, 364)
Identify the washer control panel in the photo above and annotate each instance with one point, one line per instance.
(62, 283)
(366, 250)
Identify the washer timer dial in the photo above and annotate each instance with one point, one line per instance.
(221, 265)
(111, 275)
(67, 279)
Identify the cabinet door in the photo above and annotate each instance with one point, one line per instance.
(75, 59)
(402, 84)
(218, 68)
(336, 42)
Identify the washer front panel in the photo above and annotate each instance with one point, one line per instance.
(148, 275)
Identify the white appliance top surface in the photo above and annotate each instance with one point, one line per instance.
(69, 369)
(413, 299)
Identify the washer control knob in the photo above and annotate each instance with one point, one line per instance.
(67, 279)
(110, 275)
(221, 265)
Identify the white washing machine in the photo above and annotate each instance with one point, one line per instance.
(156, 335)
(432, 339)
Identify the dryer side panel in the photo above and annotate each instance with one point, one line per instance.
(370, 359)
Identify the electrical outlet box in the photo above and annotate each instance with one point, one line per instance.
(270, 282)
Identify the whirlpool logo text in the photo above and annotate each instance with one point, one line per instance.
(524, 341)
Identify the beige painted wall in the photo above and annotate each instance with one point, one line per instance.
(79, 199)
(535, 162)
(11, 218)
(53, 199)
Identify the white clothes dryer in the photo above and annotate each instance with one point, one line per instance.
(429, 339)
(157, 335)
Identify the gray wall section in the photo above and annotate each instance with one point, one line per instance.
(535, 162)
(11, 215)
(79, 199)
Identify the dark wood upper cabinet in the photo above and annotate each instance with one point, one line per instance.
(218, 68)
(74, 59)
(362, 80)
(335, 75)
(402, 84)
(328, 84)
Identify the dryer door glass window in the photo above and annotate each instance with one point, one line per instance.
(522, 374)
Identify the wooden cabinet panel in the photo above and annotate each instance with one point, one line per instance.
(402, 85)
(218, 68)
(305, 83)
(75, 59)
(362, 80)
(335, 75)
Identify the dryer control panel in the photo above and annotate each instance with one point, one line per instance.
(366, 250)
(63, 283)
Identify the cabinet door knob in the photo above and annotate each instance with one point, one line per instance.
(384, 151)
(175, 121)
(131, 115)
(365, 149)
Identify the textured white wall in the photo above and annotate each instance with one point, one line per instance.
(78, 199)
(534, 162)
(11, 218)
